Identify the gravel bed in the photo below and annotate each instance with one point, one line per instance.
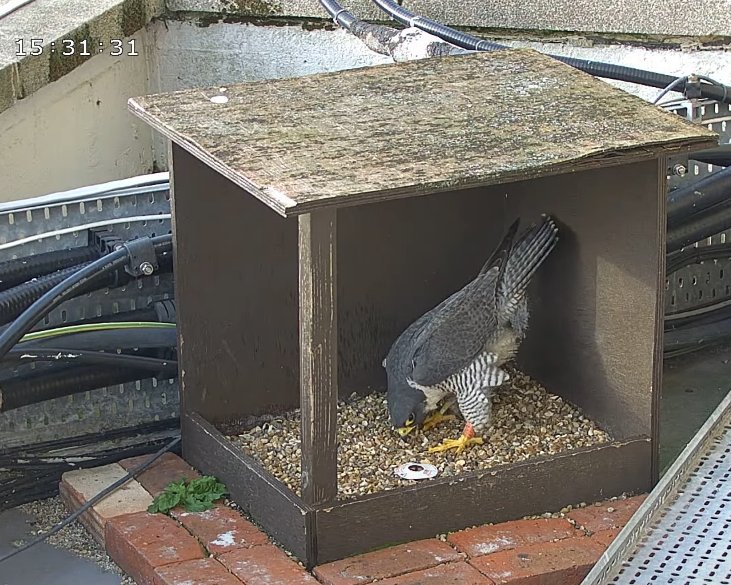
(73, 538)
(527, 421)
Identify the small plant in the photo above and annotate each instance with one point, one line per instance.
(196, 495)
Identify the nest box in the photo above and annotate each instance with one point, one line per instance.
(316, 217)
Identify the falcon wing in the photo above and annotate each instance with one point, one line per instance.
(456, 331)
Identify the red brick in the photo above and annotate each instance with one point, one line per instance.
(165, 470)
(485, 540)
(605, 537)
(196, 572)
(449, 574)
(221, 529)
(140, 543)
(565, 562)
(265, 565)
(598, 517)
(387, 562)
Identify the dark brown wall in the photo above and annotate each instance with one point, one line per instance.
(594, 319)
(236, 286)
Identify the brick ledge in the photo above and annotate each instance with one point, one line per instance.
(221, 547)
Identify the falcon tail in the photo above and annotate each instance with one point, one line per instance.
(501, 253)
(525, 257)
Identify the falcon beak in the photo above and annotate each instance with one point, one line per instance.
(403, 431)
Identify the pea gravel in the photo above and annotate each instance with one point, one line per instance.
(73, 538)
(527, 421)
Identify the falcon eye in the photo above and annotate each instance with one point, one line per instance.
(410, 420)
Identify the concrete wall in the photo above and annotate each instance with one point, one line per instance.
(76, 131)
(188, 55)
(662, 18)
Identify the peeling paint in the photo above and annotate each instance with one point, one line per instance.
(485, 548)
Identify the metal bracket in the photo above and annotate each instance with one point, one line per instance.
(142, 258)
(104, 240)
(693, 87)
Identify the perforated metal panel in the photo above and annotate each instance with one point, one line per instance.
(129, 213)
(690, 542)
(682, 532)
(710, 281)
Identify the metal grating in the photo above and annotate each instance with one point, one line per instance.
(682, 532)
(709, 282)
(691, 540)
(131, 211)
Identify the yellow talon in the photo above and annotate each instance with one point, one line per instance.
(435, 418)
(468, 438)
(460, 444)
(440, 415)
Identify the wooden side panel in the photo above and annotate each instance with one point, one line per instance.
(264, 498)
(662, 183)
(237, 293)
(595, 308)
(445, 505)
(318, 355)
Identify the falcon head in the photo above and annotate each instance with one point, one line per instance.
(406, 407)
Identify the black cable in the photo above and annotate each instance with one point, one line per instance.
(33, 482)
(69, 288)
(91, 357)
(100, 496)
(15, 300)
(340, 15)
(689, 337)
(596, 68)
(720, 156)
(115, 435)
(58, 294)
(46, 461)
(446, 33)
(156, 312)
(57, 382)
(694, 255)
(685, 202)
(109, 340)
(697, 316)
(19, 270)
(703, 225)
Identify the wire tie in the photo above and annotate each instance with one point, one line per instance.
(413, 20)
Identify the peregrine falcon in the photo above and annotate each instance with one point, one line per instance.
(457, 348)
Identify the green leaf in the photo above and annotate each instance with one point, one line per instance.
(196, 495)
(167, 500)
(193, 505)
(204, 485)
(177, 487)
